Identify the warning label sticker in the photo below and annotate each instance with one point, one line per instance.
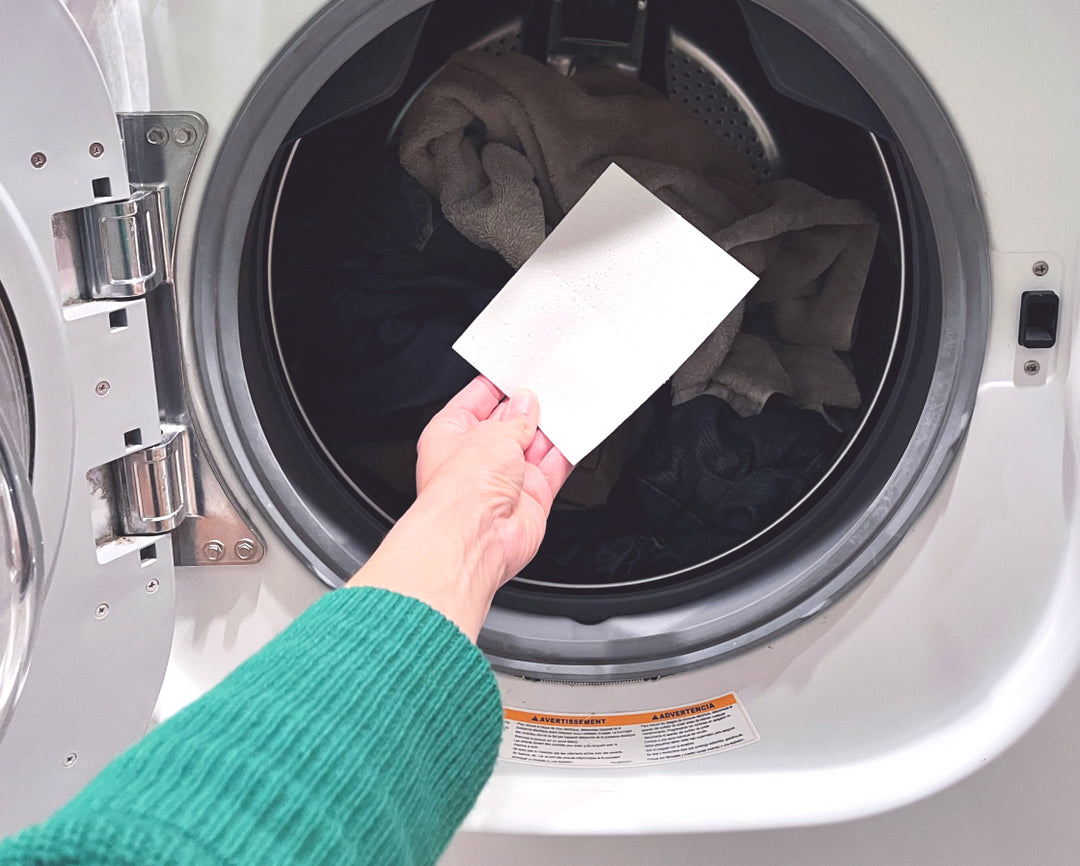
(626, 739)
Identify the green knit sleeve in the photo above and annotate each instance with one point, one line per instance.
(362, 734)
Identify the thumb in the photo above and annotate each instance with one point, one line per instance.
(523, 412)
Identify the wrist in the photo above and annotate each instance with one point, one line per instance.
(430, 556)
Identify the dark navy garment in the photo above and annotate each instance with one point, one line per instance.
(382, 348)
(705, 480)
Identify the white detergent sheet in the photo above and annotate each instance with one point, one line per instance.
(610, 305)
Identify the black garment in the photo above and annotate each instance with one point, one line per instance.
(701, 483)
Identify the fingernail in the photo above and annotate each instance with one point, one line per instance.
(522, 402)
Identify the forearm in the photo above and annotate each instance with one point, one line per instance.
(429, 556)
(362, 734)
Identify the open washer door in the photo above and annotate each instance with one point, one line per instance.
(94, 473)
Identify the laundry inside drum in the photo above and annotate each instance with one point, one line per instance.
(378, 263)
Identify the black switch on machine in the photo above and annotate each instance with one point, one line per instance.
(1038, 319)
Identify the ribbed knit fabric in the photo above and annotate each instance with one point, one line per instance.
(362, 734)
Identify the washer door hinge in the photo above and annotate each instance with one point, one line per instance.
(169, 488)
(126, 249)
(127, 245)
(155, 484)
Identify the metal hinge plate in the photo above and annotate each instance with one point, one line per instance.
(167, 488)
(126, 251)
(155, 485)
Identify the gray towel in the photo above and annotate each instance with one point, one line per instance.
(755, 369)
(508, 146)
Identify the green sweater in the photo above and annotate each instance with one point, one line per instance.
(362, 734)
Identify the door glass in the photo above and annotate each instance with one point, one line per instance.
(20, 572)
(21, 587)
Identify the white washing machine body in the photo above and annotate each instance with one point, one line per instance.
(870, 709)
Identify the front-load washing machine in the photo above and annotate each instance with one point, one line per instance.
(823, 688)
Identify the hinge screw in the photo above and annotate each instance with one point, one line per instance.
(152, 585)
(157, 135)
(101, 611)
(213, 550)
(70, 759)
(37, 160)
(1040, 268)
(183, 135)
(97, 149)
(102, 388)
(245, 549)
(1031, 367)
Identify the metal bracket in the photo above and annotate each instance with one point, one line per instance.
(584, 34)
(127, 246)
(155, 485)
(214, 533)
(125, 253)
(161, 149)
(127, 250)
(169, 488)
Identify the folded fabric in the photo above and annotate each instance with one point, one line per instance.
(702, 483)
(508, 146)
(757, 368)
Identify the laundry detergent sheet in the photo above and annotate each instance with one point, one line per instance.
(617, 297)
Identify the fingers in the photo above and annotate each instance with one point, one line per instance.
(523, 402)
(523, 412)
(544, 479)
(538, 448)
(555, 468)
(479, 398)
(543, 454)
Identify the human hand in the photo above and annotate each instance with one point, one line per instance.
(490, 461)
(486, 478)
